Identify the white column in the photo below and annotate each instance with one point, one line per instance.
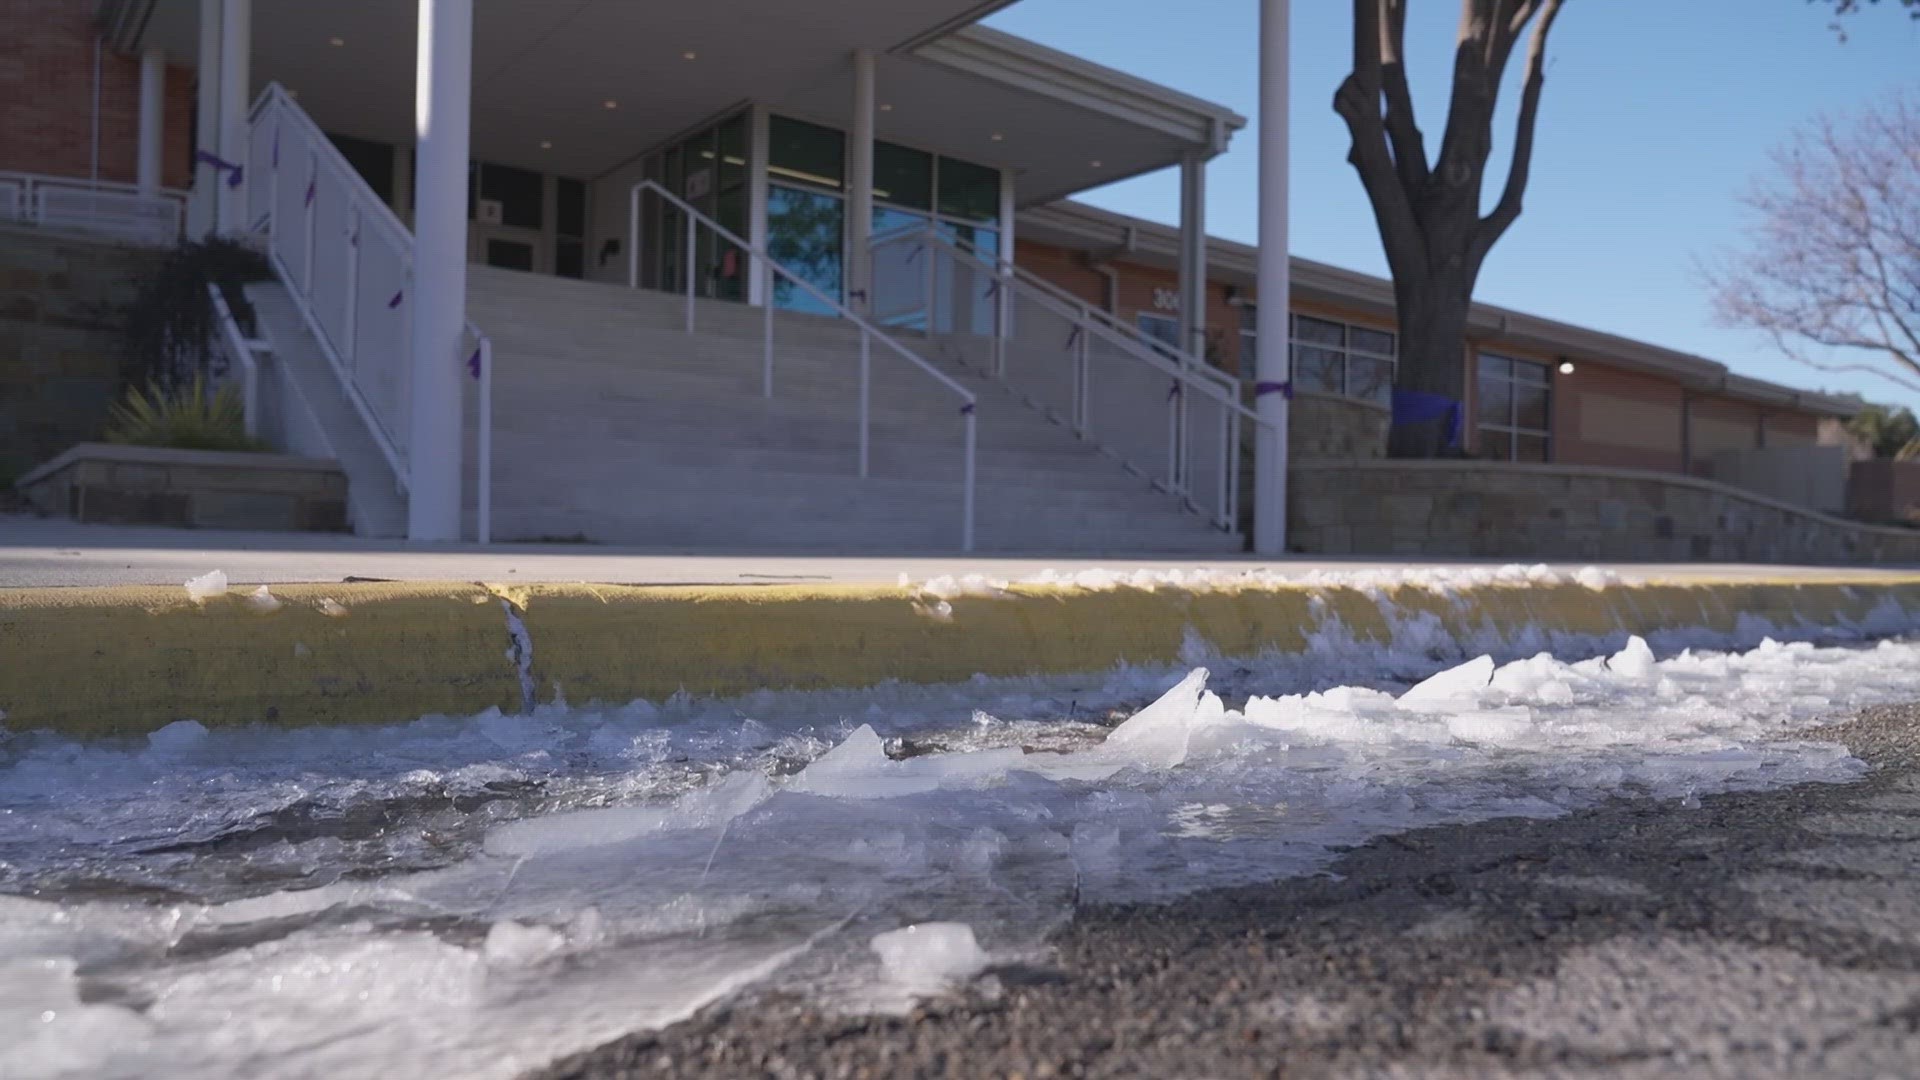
(153, 102)
(236, 45)
(1008, 211)
(442, 99)
(1193, 255)
(1272, 369)
(203, 216)
(758, 128)
(860, 187)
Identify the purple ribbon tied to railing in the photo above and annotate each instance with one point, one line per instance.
(276, 146)
(1262, 389)
(1073, 339)
(313, 183)
(914, 253)
(1174, 390)
(473, 363)
(235, 173)
(993, 290)
(395, 302)
(967, 409)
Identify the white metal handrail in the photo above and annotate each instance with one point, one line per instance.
(117, 209)
(1193, 381)
(241, 351)
(345, 259)
(768, 267)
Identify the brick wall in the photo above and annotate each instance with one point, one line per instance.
(46, 98)
(1621, 419)
(1137, 286)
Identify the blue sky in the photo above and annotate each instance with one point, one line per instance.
(1658, 114)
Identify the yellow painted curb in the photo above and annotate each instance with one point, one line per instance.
(124, 661)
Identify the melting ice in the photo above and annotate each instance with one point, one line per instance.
(482, 895)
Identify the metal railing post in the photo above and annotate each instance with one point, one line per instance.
(1173, 439)
(313, 200)
(693, 227)
(633, 239)
(349, 347)
(1082, 394)
(966, 499)
(766, 316)
(866, 384)
(484, 464)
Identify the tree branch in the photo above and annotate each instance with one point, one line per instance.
(1358, 103)
(1507, 210)
(1409, 145)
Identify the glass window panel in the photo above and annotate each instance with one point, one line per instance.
(797, 150)
(1495, 444)
(1249, 318)
(1312, 331)
(1530, 406)
(902, 176)
(372, 160)
(1159, 328)
(982, 242)
(569, 258)
(1319, 369)
(804, 230)
(888, 220)
(519, 193)
(1523, 371)
(1530, 448)
(733, 152)
(1370, 379)
(1496, 400)
(571, 207)
(1362, 339)
(969, 191)
(1498, 367)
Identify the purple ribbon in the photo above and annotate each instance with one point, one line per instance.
(473, 362)
(234, 172)
(1262, 389)
(311, 183)
(967, 409)
(276, 146)
(993, 290)
(1174, 390)
(1073, 338)
(395, 302)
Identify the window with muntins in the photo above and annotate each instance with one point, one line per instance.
(1516, 407)
(1337, 358)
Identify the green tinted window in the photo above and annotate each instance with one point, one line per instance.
(903, 177)
(969, 191)
(797, 150)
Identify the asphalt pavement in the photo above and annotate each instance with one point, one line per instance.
(1741, 935)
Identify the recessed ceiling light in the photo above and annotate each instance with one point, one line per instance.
(293, 93)
(997, 137)
(546, 144)
(886, 108)
(609, 104)
(1095, 163)
(336, 42)
(689, 55)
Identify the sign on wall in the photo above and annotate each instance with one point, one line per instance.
(1166, 299)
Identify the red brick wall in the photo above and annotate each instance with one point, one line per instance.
(1721, 424)
(1620, 419)
(46, 98)
(1070, 271)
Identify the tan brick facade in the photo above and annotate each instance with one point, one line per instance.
(47, 93)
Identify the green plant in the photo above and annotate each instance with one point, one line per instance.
(185, 418)
(168, 323)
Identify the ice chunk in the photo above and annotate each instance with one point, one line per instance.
(512, 944)
(1634, 662)
(929, 956)
(1451, 688)
(715, 805)
(1491, 725)
(263, 601)
(1157, 736)
(207, 586)
(859, 768)
(177, 737)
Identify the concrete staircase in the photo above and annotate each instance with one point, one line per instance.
(309, 413)
(613, 424)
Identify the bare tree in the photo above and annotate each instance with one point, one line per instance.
(1843, 8)
(1833, 274)
(1429, 216)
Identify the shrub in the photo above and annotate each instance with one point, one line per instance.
(184, 418)
(169, 321)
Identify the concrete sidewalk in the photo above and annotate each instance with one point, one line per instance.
(38, 553)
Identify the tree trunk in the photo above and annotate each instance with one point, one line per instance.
(1433, 334)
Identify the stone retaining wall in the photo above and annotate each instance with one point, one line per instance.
(207, 489)
(1496, 510)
